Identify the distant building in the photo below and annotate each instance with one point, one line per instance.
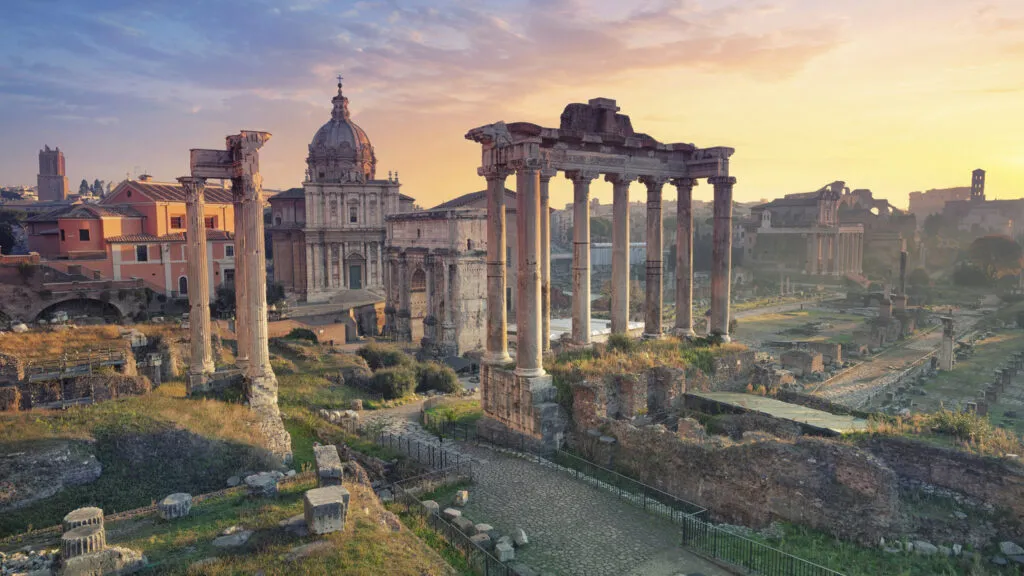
(924, 204)
(979, 216)
(328, 236)
(137, 231)
(52, 181)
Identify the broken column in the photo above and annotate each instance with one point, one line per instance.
(946, 349)
(497, 315)
(201, 363)
(82, 517)
(581, 255)
(684, 256)
(620, 252)
(653, 296)
(528, 314)
(329, 471)
(721, 265)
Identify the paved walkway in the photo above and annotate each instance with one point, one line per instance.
(574, 528)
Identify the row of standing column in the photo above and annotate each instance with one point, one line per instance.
(837, 254)
(533, 325)
(326, 267)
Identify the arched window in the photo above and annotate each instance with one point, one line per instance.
(277, 220)
(183, 286)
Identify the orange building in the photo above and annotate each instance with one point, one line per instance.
(137, 231)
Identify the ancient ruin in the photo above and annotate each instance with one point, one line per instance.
(239, 162)
(592, 140)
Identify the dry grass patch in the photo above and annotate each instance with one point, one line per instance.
(45, 344)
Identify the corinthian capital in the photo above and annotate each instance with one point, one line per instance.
(193, 188)
(624, 178)
(654, 182)
(494, 172)
(685, 182)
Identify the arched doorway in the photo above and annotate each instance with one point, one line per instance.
(183, 286)
(417, 303)
(355, 265)
(79, 307)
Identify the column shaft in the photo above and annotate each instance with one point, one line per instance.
(581, 257)
(256, 273)
(241, 281)
(198, 280)
(721, 265)
(528, 295)
(684, 256)
(497, 316)
(545, 262)
(654, 288)
(620, 254)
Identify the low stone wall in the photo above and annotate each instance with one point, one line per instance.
(837, 488)
(92, 388)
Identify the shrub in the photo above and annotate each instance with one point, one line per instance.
(302, 334)
(622, 343)
(395, 382)
(434, 376)
(379, 356)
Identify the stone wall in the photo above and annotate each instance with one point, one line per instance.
(830, 353)
(837, 488)
(522, 404)
(802, 362)
(95, 387)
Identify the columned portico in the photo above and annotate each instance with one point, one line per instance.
(581, 255)
(620, 252)
(201, 364)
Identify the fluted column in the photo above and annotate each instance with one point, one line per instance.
(721, 265)
(404, 309)
(309, 269)
(684, 256)
(497, 316)
(201, 364)
(581, 255)
(545, 261)
(528, 295)
(654, 289)
(241, 281)
(620, 252)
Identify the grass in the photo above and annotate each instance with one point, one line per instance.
(969, 376)
(40, 344)
(459, 411)
(963, 430)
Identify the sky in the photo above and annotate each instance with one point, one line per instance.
(891, 95)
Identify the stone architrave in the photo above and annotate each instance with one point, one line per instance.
(684, 256)
(201, 364)
(581, 332)
(528, 293)
(654, 290)
(620, 252)
(497, 313)
(721, 257)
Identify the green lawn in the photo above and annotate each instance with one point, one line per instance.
(970, 376)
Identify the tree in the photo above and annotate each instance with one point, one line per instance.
(933, 225)
(275, 293)
(995, 256)
(97, 187)
(83, 188)
(600, 230)
(7, 239)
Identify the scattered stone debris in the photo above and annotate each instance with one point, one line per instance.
(461, 498)
(299, 552)
(263, 484)
(175, 506)
(232, 537)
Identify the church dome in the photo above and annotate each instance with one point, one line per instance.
(340, 150)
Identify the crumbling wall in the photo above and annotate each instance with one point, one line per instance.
(840, 489)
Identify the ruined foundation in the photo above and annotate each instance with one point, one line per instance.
(521, 404)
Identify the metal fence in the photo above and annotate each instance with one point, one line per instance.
(756, 557)
(480, 560)
(502, 438)
(428, 454)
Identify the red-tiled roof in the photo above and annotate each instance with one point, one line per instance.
(174, 192)
(211, 235)
(87, 212)
(467, 199)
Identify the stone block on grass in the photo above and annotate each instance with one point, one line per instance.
(175, 506)
(262, 485)
(326, 509)
(328, 465)
(82, 540)
(482, 540)
(431, 506)
(113, 560)
(450, 514)
(461, 498)
(519, 537)
(465, 525)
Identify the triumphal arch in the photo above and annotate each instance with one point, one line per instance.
(592, 140)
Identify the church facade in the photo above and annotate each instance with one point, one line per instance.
(328, 237)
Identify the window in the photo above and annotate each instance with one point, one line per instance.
(83, 235)
(183, 286)
(142, 253)
(177, 222)
(277, 220)
(61, 234)
(418, 233)
(210, 222)
(229, 251)
(353, 214)
(469, 243)
(229, 277)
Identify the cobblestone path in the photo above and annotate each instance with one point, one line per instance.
(574, 529)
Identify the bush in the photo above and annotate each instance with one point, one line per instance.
(379, 356)
(622, 343)
(395, 382)
(434, 376)
(302, 334)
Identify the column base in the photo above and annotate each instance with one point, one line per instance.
(529, 372)
(726, 339)
(496, 358)
(687, 333)
(196, 382)
(652, 336)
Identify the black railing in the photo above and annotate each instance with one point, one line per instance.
(756, 557)
(468, 433)
(480, 560)
(428, 454)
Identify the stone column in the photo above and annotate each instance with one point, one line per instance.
(309, 269)
(545, 261)
(404, 308)
(654, 294)
(721, 265)
(201, 365)
(528, 295)
(684, 256)
(620, 252)
(581, 255)
(241, 280)
(380, 266)
(430, 320)
(497, 317)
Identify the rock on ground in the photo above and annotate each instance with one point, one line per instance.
(1010, 549)
(112, 560)
(233, 540)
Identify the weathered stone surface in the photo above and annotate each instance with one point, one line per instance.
(519, 537)
(484, 528)
(482, 540)
(524, 570)
(82, 540)
(465, 525)
(110, 561)
(234, 481)
(328, 465)
(233, 539)
(390, 521)
(461, 498)
(41, 469)
(357, 404)
(82, 517)
(505, 552)
(263, 484)
(431, 506)
(1010, 549)
(300, 552)
(925, 548)
(295, 525)
(451, 514)
(175, 506)
(326, 509)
